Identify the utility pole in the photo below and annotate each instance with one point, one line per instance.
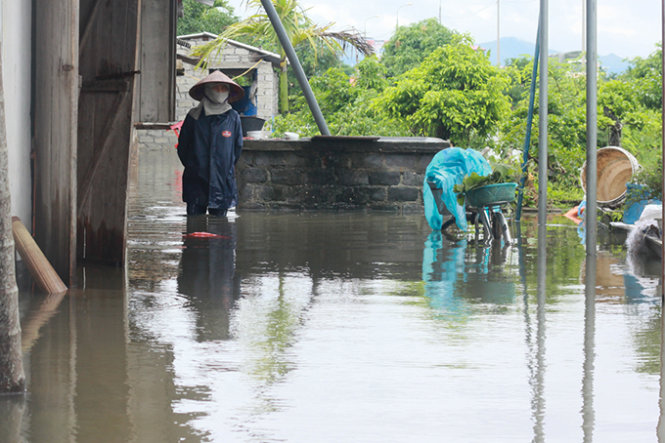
(542, 113)
(498, 33)
(591, 128)
(397, 15)
(278, 26)
(583, 25)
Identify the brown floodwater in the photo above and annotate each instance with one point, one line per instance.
(340, 326)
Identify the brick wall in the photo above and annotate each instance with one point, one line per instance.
(334, 173)
(156, 139)
(386, 174)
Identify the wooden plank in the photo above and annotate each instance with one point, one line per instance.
(111, 86)
(35, 260)
(55, 140)
(89, 21)
(85, 185)
(157, 61)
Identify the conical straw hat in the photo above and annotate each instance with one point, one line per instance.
(236, 92)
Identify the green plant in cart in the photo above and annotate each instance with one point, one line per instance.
(501, 173)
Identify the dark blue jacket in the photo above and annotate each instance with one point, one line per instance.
(209, 147)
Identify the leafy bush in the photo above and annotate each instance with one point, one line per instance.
(454, 93)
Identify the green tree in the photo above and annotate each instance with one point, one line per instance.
(410, 45)
(620, 106)
(333, 90)
(300, 30)
(314, 63)
(454, 94)
(371, 74)
(642, 136)
(625, 118)
(346, 101)
(201, 18)
(646, 73)
(566, 120)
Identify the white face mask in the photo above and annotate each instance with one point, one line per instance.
(216, 96)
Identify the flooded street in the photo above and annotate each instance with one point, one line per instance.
(339, 327)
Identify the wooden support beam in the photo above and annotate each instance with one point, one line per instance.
(36, 262)
(56, 97)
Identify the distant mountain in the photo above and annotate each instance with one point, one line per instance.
(613, 63)
(512, 47)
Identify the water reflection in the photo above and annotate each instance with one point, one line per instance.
(537, 362)
(206, 275)
(37, 318)
(588, 413)
(660, 427)
(441, 270)
(456, 274)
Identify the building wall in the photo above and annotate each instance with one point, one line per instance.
(267, 96)
(267, 78)
(16, 76)
(183, 102)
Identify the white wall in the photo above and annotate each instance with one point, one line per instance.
(15, 20)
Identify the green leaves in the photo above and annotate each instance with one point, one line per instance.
(409, 46)
(199, 18)
(453, 94)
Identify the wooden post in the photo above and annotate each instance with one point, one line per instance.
(12, 376)
(56, 93)
(37, 263)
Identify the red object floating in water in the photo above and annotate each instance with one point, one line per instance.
(203, 235)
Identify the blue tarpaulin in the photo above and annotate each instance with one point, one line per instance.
(447, 169)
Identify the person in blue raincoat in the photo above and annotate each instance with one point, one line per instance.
(209, 146)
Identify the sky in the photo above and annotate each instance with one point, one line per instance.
(627, 28)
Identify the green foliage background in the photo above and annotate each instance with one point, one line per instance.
(198, 17)
(434, 81)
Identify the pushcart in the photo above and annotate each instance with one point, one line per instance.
(483, 208)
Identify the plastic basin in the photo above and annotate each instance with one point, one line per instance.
(491, 195)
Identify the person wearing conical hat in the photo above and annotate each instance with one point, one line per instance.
(209, 146)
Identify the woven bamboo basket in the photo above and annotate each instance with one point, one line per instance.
(615, 167)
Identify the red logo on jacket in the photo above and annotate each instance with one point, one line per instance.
(226, 134)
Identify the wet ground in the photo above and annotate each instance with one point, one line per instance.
(335, 327)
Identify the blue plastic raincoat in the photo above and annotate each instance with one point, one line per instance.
(447, 169)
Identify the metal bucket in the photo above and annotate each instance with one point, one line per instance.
(615, 167)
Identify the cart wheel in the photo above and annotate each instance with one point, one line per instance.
(497, 225)
(500, 227)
